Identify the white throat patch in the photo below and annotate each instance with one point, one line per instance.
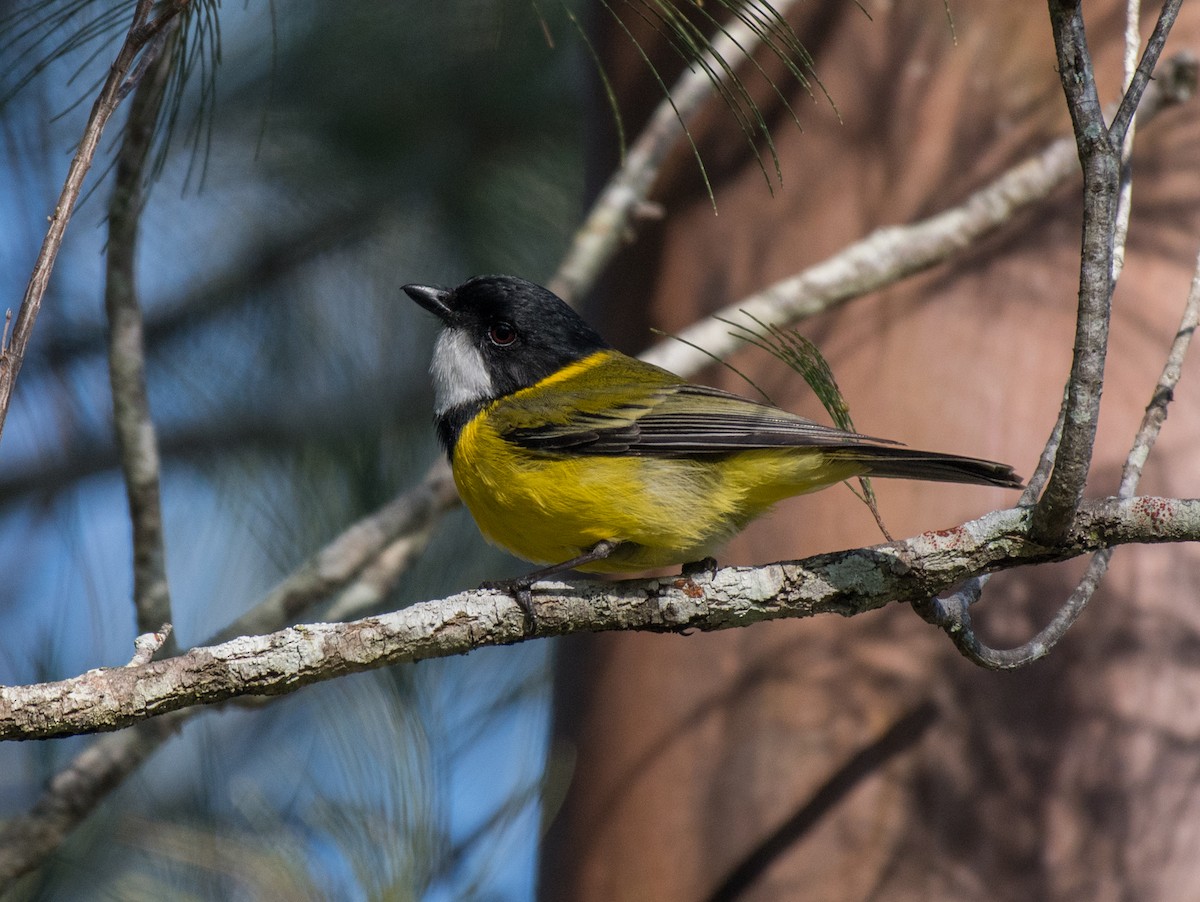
(459, 373)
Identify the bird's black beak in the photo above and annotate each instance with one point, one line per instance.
(432, 299)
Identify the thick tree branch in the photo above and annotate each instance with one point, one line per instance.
(350, 564)
(847, 583)
(1101, 184)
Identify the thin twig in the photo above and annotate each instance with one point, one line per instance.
(1133, 40)
(1145, 71)
(134, 428)
(141, 31)
(1164, 392)
(147, 645)
(615, 210)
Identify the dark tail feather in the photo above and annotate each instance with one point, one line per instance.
(905, 463)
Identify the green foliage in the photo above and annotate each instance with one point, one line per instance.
(801, 355)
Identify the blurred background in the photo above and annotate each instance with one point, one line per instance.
(333, 153)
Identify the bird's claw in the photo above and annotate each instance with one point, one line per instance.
(520, 590)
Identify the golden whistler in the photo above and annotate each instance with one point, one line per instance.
(569, 452)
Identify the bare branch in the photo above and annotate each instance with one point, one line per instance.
(847, 583)
(133, 425)
(1133, 40)
(1145, 70)
(890, 254)
(1164, 392)
(1101, 182)
(141, 31)
(615, 210)
(1100, 154)
(952, 614)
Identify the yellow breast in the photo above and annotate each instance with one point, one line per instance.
(548, 508)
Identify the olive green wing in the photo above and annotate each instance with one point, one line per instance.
(624, 406)
(621, 406)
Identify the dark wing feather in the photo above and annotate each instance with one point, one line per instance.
(683, 419)
(623, 406)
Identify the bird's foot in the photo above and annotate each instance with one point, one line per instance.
(520, 590)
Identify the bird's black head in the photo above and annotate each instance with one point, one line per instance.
(502, 334)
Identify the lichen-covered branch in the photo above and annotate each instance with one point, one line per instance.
(847, 583)
(354, 556)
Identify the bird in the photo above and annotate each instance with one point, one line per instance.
(572, 455)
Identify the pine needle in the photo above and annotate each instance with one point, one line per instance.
(801, 355)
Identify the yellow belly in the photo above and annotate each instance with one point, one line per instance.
(549, 508)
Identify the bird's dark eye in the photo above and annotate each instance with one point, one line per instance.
(502, 334)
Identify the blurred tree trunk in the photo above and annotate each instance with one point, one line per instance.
(842, 760)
